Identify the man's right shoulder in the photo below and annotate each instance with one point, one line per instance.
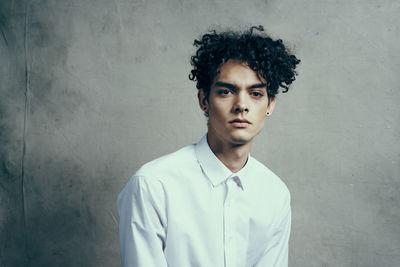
(169, 163)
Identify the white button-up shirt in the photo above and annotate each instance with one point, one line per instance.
(187, 209)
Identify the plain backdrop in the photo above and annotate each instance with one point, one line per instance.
(91, 90)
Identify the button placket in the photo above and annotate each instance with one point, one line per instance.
(229, 214)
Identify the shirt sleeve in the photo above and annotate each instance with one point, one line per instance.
(142, 225)
(277, 252)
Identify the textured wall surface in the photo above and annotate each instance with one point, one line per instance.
(91, 90)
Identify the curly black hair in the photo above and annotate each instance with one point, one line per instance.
(269, 58)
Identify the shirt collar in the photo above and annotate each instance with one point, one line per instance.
(214, 169)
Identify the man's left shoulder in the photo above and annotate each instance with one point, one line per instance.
(266, 178)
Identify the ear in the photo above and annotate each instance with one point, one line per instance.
(271, 106)
(203, 102)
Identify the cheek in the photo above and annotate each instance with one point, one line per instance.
(262, 123)
(216, 116)
(261, 114)
(218, 110)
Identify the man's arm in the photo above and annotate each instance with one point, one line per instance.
(277, 252)
(141, 209)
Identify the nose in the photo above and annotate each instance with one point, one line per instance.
(240, 105)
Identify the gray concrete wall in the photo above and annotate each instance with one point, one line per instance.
(91, 90)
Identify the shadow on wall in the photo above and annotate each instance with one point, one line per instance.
(45, 218)
(61, 229)
(12, 231)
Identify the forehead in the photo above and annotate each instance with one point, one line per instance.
(238, 73)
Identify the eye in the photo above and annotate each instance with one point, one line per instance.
(257, 94)
(224, 92)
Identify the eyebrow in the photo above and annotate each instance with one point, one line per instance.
(258, 85)
(226, 85)
(233, 87)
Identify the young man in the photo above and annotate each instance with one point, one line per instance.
(211, 204)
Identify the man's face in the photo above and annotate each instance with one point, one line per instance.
(237, 104)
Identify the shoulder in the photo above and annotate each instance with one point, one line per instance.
(265, 178)
(271, 191)
(149, 179)
(168, 164)
(159, 167)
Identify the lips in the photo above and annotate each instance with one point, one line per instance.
(240, 123)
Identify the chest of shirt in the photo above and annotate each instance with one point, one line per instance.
(219, 220)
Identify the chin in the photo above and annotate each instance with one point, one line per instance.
(240, 140)
(243, 137)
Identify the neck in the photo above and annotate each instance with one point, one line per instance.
(233, 156)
